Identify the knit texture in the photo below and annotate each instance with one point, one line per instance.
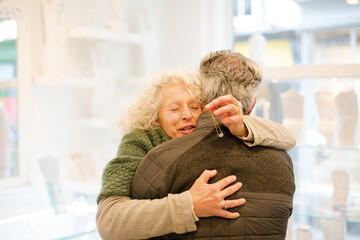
(119, 172)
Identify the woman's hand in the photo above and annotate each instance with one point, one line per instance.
(229, 110)
(209, 199)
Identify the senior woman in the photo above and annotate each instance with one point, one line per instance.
(167, 110)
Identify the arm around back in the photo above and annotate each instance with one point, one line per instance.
(120, 217)
(252, 130)
(267, 133)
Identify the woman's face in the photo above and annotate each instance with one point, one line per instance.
(178, 111)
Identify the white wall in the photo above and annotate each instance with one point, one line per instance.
(192, 29)
(180, 33)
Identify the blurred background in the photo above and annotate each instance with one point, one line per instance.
(70, 68)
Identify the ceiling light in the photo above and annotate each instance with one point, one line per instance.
(352, 2)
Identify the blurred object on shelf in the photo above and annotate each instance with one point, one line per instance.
(326, 107)
(54, 60)
(340, 180)
(347, 108)
(293, 111)
(81, 170)
(263, 108)
(83, 177)
(9, 98)
(303, 234)
(139, 20)
(116, 18)
(257, 46)
(50, 169)
(333, 229)
(314, 137)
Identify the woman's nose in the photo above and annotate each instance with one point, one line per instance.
(186, 114)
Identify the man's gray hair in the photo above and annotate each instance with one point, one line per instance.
(225, 72)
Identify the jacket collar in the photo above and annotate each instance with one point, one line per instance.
(205, 121)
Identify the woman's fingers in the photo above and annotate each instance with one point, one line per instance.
(228, 110)
(231, 115)
(218, 102)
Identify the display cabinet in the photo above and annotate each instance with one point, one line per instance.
(77, 222)
(320, 106)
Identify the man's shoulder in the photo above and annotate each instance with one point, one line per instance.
(176, 146)
(165, 152)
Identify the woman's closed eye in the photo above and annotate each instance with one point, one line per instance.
(195, 106)
(174, 108)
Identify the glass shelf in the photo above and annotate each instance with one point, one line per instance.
(77, 221)
(328, 148)
(322, 208)
(64, 81)
(293, 73)
(106, 35)
(8, 84)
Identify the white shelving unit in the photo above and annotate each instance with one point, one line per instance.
(105, 35)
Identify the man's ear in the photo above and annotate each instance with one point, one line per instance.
(252, 106)
(157, 122)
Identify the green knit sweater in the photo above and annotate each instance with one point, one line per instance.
(119, 172)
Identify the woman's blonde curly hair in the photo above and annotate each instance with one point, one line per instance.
(144, 113)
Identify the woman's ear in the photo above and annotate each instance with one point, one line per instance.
(252, 106)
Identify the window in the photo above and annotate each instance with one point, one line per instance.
(9, 164)
(312, 86)
(287, 33)
(242, 7)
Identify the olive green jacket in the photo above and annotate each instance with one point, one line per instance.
(266, 173)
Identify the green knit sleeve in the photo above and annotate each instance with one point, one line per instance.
(119, 172)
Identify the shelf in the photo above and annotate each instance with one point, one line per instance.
(311, 72)
(78, 220)
(98, 123)
(135, 81)
(79, 81)
(327, 148)
(64, 81)
(322, 208)
(105, 35)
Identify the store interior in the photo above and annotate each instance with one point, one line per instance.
(69, 70)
